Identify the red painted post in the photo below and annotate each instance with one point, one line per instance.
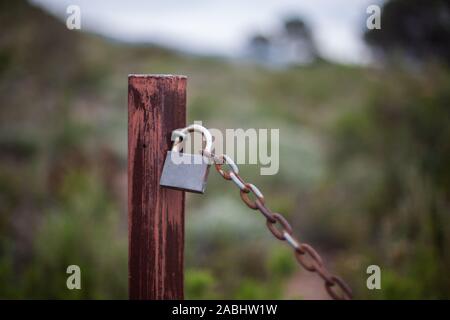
(156, 106)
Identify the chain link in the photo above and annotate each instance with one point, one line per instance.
(305, 255)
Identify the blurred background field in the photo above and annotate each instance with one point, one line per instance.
(364, 159)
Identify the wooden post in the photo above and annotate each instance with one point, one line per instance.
(156, 106)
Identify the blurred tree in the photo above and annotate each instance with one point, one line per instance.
(416, 29)
(259, 46)
(299, 35)
(296, 28)
(293, 45)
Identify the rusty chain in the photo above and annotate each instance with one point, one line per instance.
(280, 228)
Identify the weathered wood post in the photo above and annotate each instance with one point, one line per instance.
(156, 106)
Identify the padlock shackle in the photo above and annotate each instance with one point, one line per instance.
(192, 128)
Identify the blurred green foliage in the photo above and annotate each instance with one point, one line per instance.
(364, 173)
(400, 139)
(199, 284)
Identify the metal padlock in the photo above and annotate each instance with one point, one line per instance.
(183, 171)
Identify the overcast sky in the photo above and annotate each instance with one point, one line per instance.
(223, 27)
